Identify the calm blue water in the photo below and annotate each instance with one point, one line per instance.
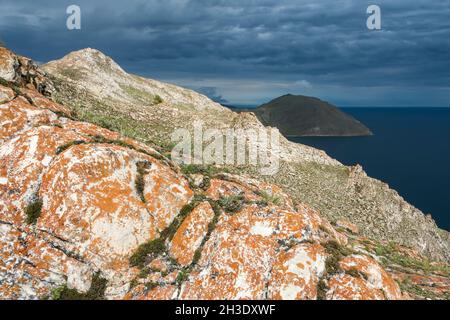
(410, 151)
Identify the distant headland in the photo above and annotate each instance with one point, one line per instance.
(297, 115)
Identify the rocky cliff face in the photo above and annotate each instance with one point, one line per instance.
(87, 213)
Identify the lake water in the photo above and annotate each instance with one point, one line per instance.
(410, 150)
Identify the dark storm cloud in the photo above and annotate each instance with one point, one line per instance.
(250, 51)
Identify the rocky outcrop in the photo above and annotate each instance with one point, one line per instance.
(86, 213)
(113, 83)
(23, 72)
(72, 209)
(97, 90)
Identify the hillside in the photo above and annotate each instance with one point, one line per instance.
(87, 213)
(308, 175)
(297, 115)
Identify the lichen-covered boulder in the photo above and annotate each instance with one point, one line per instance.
(18, 115)
(296, 272)
(191, 233)
(377, 277)
(31, 265)
(6, 94)
(239, 258)
(23, 160)
(23, 72)
(8, 64)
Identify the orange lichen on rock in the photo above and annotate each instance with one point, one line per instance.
(23, 160)
(8, 64)
(44, 103)
(158, 264)
(97, 180)
(166, 292)
(220, 188)
(322, 225)
(296, 272)
(237, 260)
(347, 287)
(31, 266)
(6, 94)
(377, 277)
(190, 234)
(18, 115)
(166, 192)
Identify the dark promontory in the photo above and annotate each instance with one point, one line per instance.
(296, 115)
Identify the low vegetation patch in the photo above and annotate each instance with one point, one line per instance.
(392, 256)
(183, 275)
(152, 247)
(322, 289)
(142, 167)
(336, 252)
(205, 170)
(151, 285)
(197, 255)
(268, 198)
(407, 286)
(33, 211)
(142, 95)
(157, 99)
(95, 292)
(10, 85)
(73, 74)
(232, 204)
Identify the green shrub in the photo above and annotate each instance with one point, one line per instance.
(336, 253)
(183, 275)
(152, 247)
(134, 283)
(170, 231)
(197, 256)
(95, 292)
(4, 83)
(232, 204)
(151, 285)
(268, 198)
(322, 289)
(33, 211)
(332, 265)
(335, 249)
(206, 183)
(157, 100)
(144, 273)
(142, 168)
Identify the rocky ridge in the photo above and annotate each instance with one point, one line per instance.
(306, 174)
(87, 213)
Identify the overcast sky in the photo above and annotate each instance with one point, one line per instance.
(250, 51)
